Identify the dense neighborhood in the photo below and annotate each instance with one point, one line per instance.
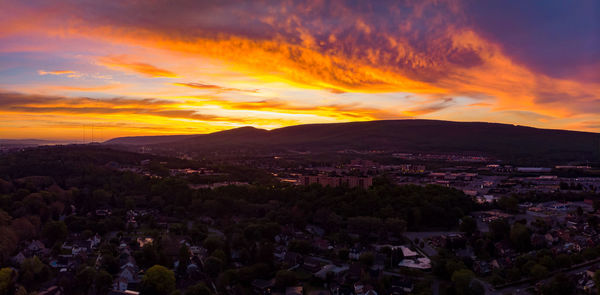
(92, 220)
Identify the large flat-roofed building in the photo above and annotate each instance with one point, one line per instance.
(335, 181)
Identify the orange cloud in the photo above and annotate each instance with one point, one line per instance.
(428, 48)
(268, 113)
(213, 87)
(32, 104)
(122, 62)
(87, 88)
(453, 61)
(43, 73)
(342, 112)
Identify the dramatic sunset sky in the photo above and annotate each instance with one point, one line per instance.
(178, 67)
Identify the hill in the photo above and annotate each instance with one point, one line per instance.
(147, 140)
(30, 142)
(504, 141)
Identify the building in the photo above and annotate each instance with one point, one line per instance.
(335, 181)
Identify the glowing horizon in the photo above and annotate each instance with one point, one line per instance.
(133, 68)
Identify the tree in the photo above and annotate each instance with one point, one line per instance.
(33, 271)
(395, 226)
(343, 254)
(220, 254)
(476, 288)
(559, 285)
(103, 282)
(564, 260)
(499, 229)
(213, 243)
(300, 246)
(110, 263)
(100, 197)
(8, 243)
(364, 225)
(184, 259)
(285, 278)
(593, 221)
(453, 265)
(85, 279)
(520, 237)
(198, 289)
(510, 204)
(24, 229)
(367, 259)
(198, 232)
(20, 290)
(264, 254)
(158, 280)
(461, 280)
(5, 218)
(148, 255)
(540, 225)
(213, 265)
(597, 279)
(468, 225)
(54, 231)
(590, 253)
(7, 280)
(548, 261)
(596, 204)
(539, 271)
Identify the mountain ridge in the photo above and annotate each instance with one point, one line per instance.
(413, 135)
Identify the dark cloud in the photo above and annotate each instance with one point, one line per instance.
(422, 48)
(433, 107)
(511, 51)
(8, 99)
(555, 37)
(558, 38)
(30, 103)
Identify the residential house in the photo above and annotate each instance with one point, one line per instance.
(292, 258)
(18, 259)
(263, 287)
(129, 273)
(337, 271)
(311, 264)
(120, 284)
(297, 290)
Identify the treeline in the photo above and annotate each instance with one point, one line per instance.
(52, 192)
(42, 184)
(418, 206)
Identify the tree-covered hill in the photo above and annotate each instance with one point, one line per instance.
(503, 141)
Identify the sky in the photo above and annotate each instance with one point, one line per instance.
(85, 70)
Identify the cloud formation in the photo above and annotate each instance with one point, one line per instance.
(63, 72)
(340, 111)
(495, 58)
(31, 104)
(213, 87)
(124, 63)
(266, 113)
(425, 47)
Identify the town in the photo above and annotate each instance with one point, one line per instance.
(104, 221)
(322, 147)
